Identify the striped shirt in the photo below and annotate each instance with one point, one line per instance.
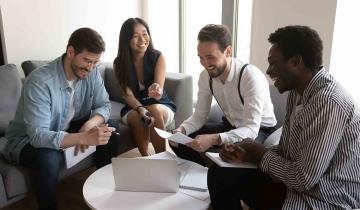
(318, 157)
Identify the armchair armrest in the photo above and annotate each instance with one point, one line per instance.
(179, 87)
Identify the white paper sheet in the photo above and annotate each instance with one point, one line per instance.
(71, 159)
(176, 137)
(215, 157)
(165, 156)
(195, 179)
(183, 167)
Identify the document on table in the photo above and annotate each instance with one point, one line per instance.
(176, 137)
(195, 179)
(165, 156)
(215, 157)
(184, 166)
(71, 159)
(186, 180)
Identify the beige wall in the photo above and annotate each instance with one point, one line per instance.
(270, 15)
(39, 29)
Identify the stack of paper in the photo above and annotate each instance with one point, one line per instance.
(165, 156)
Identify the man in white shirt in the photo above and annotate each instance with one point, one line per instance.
(241, 91)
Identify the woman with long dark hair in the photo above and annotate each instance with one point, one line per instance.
(140, 70)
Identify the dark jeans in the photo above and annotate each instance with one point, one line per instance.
(45, 165)
(227, 186)
(188, 153)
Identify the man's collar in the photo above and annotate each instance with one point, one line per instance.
(313, 85)
(231, 74)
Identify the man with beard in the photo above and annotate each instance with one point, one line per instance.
(317, 162)
(241, 91)
(63, 104)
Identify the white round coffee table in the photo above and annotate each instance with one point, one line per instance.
(99, 193)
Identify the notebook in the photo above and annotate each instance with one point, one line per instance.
(146, 175)
(71, 159)
(215, 157)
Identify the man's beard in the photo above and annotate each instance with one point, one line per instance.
(217, 71)
(76, 69)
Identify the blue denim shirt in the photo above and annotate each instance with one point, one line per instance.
(44, 104)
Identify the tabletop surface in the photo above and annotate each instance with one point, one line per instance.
(99, 193)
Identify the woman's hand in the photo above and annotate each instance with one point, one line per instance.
(146, 118)
(155, 91)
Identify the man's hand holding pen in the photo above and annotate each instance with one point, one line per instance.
(98, 135)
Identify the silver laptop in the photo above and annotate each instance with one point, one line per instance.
(145, 175)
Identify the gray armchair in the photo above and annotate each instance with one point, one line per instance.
(10, 89)
(14, 180)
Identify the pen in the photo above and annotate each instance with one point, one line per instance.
(193, 188)
(113, 132)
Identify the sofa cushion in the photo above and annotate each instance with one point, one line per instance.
(9, 94)
(111, 84)
(31, 65)
(115, 110)
(14, 177)
(273, 139)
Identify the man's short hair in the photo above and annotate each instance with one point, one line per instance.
(86, 39)
(219, 34)
(299, 40)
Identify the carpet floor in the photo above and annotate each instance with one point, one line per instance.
(69, 194)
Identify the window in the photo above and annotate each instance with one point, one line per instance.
(2, 43)
(164, 28)
(345, 47)
(174, 30)
(194, 21)
(243, 30)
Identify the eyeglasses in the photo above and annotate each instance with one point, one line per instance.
(88, 65)
(89, 62)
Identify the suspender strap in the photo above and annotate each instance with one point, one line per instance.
(241, 73)
(210, 85)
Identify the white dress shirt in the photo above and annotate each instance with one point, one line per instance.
(247, 118)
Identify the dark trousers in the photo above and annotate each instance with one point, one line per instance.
(227, 186)
(45, 165)
(188, 153)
